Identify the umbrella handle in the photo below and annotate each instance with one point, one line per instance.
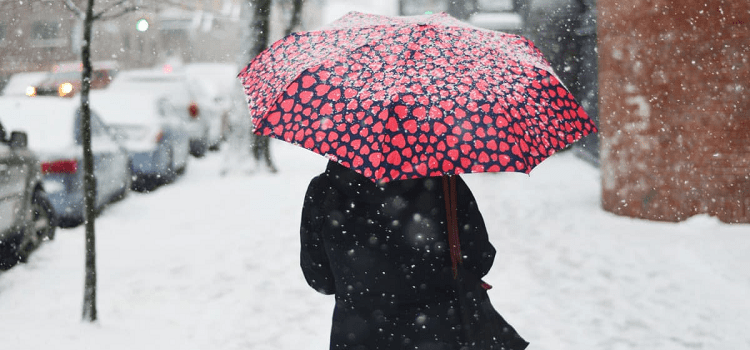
(451, 214)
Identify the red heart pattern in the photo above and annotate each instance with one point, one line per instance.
(405, 97)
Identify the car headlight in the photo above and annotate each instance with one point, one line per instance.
(30, 91)
(64, 89)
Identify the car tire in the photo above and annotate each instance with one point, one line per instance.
(45, 222)
(181, 170)
(171, 172)
(127, 185)
(216, 146)
(43, 225)
(199, 148)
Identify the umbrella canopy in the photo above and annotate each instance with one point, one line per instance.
(406, 97)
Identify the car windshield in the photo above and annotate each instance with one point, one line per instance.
(49, 123)
(56, 78)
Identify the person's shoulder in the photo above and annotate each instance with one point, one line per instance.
(318, 180)
(462, 187)
(315, 190)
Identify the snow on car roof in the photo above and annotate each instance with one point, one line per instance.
(149, 75)
(222, 75)
(126, 107)
(18, 83)
(151, 81)
(134, 96)
(77, 66)
(213, 70)
(49, 122)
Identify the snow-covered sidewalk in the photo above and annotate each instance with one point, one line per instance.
(211, 262)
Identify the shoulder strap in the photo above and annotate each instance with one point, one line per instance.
(451, 213)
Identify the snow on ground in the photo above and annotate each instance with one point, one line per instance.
(211, 262)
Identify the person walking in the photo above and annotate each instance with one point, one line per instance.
(414, 100)
(382, 249)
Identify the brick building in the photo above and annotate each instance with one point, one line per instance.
(675, 108)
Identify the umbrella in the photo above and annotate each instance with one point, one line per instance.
(406, 97)
(396, 98)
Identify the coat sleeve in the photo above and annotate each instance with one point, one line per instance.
(478, 252)
(313, 258)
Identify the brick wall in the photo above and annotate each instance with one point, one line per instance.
(674, 80)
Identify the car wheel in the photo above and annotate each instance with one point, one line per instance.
(215, 146)
(127, 185)
(171, 168)
(42, 225)
(203, 151)
(129, 178)
(199, 148)
(181, 170)
(44, 216)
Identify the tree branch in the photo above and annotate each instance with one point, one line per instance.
(72, 6)
(296, 17)
(104, 16)
(117, 4)
(103, 13)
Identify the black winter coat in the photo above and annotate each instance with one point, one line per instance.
(383, 251)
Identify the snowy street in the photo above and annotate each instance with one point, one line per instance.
(211, 262)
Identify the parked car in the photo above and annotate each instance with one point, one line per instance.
(65, 79)
(19, 83)
(53, 128)
(151, 128)
(173, 85)
(216, 84)
(26, 215)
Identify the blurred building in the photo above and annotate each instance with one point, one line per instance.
(36, 34)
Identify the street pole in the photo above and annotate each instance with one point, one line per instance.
(89, 181)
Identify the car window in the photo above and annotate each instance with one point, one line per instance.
(56, 78)
(98, 127)
(165, 107)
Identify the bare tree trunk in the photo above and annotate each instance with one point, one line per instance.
(260, 26)
(462, 9)
(296, 17)
(89, 181)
